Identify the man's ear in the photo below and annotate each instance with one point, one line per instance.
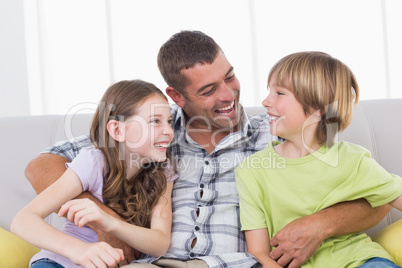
(116, 130)
(176, 96)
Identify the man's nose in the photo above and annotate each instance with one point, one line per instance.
(226, 93)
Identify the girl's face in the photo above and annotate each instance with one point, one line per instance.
(285, 113)
(149, 132)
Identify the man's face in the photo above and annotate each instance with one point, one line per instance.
(212, 98)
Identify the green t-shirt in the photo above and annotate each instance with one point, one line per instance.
(275, 190)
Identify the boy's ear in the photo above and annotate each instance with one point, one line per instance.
(317, 113)
(176, 96)
(116, 130)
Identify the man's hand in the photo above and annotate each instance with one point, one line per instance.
(296, 242)
(300, 239)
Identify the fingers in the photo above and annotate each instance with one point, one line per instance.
(111, 257)
(101, 255)
(281, 258)
(274, 241)
(80, 211)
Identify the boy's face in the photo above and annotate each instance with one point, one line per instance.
(286, 115)
(212, 96)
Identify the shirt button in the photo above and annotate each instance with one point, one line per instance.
(197, 228)
(192, 255)
(206, 162)
(202, 186)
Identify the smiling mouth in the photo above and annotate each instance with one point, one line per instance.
(161, 145)
(273, 118)
(226, 110)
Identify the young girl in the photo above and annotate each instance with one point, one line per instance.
(311, 97)
(128, 170)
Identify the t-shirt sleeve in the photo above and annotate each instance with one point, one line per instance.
(70, 148)
(375, 184)
(89, 167)
(252, 215)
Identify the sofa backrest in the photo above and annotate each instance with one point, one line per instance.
(376, 125)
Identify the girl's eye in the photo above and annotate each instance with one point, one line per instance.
(155, 121)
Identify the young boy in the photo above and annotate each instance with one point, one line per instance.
(311, 97)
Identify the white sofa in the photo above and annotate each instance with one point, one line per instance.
(377, 125)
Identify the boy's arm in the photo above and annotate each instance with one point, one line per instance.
(397, 203)
(45, 169)
(258, 245)
(300, 239)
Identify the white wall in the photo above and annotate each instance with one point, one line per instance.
(74, 49)
(14, 94)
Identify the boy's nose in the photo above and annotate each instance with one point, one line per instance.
(266, 102)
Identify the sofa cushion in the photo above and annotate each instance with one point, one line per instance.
(390, 238)
(15, 252)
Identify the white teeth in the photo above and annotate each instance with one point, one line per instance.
(272, 117)
(161, 145)
(227, 107)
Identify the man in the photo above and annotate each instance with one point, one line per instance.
(212, 135)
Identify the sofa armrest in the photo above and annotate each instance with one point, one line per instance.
(15, 252)
(390, 238)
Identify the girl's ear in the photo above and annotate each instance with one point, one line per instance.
(116, 130)
(176, 96)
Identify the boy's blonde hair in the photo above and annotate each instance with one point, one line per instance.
(319, 82)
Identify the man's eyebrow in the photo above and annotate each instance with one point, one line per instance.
(211, 84)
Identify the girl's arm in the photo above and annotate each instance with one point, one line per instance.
(47, 168)
(29, 224)
(153, 241)
(258, 245)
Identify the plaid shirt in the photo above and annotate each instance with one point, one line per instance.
(220, 243)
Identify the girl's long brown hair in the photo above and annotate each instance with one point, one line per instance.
(134, 198)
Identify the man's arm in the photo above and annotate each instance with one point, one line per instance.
(45, 169)
(300, 239)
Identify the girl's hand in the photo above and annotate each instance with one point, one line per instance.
(85, 212)
(96, 255)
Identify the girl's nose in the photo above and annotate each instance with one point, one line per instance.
(167, 130)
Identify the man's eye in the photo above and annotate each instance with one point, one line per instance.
(209, 92)
(230, 78)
